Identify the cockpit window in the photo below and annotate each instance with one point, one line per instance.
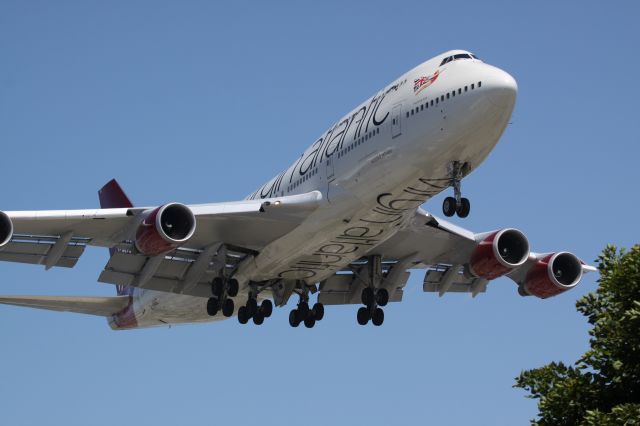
(457, 57)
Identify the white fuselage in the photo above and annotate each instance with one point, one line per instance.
(374, 167)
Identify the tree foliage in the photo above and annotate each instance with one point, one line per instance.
(603, 386)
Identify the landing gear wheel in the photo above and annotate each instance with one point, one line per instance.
(266, 308)
(213, 306)
(243, 316)
(382, 297)
(378, 317)
(227, 308)
(303, 310)
(252, 306)
(233, 287)
(449, 206)
(363, 316)
(309, 321)
(258, 318)
(464, 208)
(217, 286)
(318, 311)
(294, 321)
(367, 296)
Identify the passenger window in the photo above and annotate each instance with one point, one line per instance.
(473, 86)
(459, 91)
(442, 98)
(447, 95)
(479, 84)
(407, 114)
(422, 107)
(453, 93)
(431, 102)
(465, 88)
(437, 100)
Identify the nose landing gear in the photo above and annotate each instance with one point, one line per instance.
(457, 204)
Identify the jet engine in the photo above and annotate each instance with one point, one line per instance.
(165, 228)
(499, 253)
(553, 274)
(6, 228)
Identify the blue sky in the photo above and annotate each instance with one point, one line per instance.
(203, 101)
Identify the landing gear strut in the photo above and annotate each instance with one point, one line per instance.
(456, 204)
(373, 296)
(303, 313)
(252, 310)
(222, 290)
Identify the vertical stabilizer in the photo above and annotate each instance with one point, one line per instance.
(112, 196)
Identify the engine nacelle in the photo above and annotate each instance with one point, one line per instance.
(165, 228)
(499, 253)
(553, 274)
(6, 228)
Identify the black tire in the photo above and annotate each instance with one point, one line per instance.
(318, 311)
(258, 318)
(252, 306)
(266, 308)
(309, 322)
(363, 316)
(228, 307)
(382, 297)
(217, 286)
(378, 317)
(213, 306)
(303, 310)
(233, 287)
(243, 317)
(449, 206)
(464, 209)
(294, 321)
(367, 296)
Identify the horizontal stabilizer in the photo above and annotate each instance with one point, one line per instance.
(101, 306)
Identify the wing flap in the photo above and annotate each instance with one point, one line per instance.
(39, 250)
(100, 306)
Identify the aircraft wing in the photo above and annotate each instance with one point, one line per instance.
(58, 238)
(441, 248)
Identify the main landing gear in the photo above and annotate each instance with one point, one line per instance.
(222, 289)
(373, 296)
(457, 204)
(252, 310)
(373, 300)
(303, 313)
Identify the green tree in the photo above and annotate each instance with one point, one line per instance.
(603, 386)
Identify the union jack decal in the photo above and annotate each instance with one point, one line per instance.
(421, 83)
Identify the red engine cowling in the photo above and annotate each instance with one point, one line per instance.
(553, 274)
(6, 228)
(499, 253)
(164, 229)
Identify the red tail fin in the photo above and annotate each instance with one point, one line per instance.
(112, 197)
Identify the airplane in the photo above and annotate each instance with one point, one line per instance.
(343, 221)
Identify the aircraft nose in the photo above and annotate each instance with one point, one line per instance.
(502, 88)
